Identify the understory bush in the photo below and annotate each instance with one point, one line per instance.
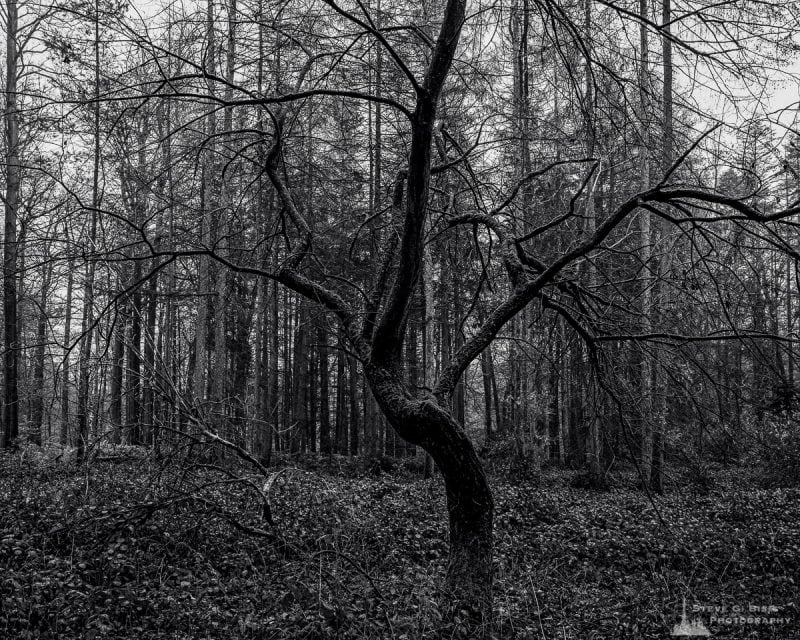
(779, 451)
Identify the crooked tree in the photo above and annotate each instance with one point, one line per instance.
(378, 332)
(373, 322)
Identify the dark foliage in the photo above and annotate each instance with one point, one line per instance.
(129, 549)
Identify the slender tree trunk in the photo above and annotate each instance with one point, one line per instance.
(10, 323)
(133, 343)
(563, 394)
(459, 396)
(299, 380)
(645, 233)
(288, 369)
(261, 354)
(341, 396)
(498, 406)
(117, 368)
(428, 337)
(22, 374)
(169, 357)
(660, 408)
(148, 391)
(263, 399)
(88, 284)
(592, 396)
(515, 400)
(219, 379)
(324, 393)
(487, 396)
(65, 383)
(220, 199)
(38, 391)
(790, 360)
(99, 387)
(273, 379)
(207, 196)
(374, 429)
(354, 412)
(311, 424)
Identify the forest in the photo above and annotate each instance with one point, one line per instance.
(407, 320)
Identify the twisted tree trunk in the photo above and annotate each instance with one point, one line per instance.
(423, 421)
(418, 417)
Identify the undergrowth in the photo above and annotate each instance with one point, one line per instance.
(135, 548)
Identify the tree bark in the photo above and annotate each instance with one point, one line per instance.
(424, 422)
(207, 199)
(88, 284)
(487, 396)
(299, 380)
(117, 368)
(148, 380)
(10, 324)
(659, 400)
(324, 393)
(37, 408)
(65, 421)
(354, 411)
(341, 399)
(133, 387)
(647, 365)
(419, 417)
(273, 378)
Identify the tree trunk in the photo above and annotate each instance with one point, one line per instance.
(273, 382)
(10, 326)
(563, 393)
(261, 356)
(354, 412)
(64, 432)
(324, 393)
(498, 406)
(660, 408)
(166, 335)
(487, 396)
(88, 285)
(299, 380)
(592, 397)
(428, 337)
(459, 396)
(470, 506)
(133, 342)
(207, 200)
(647, 365)
(219, 378)
(117, 368)
(288, 389)
(313, 400)
(148, 390)
(37, 409)
(341, 407)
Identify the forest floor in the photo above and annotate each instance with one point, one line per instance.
(130, 548)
